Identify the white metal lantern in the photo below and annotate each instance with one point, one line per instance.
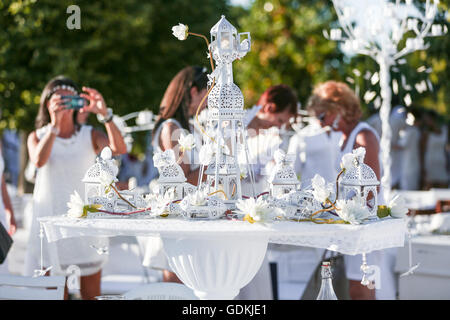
(91, 179)
(283, 179)
(226, 42)
(228, 177)
(360, 180)
(226, 112)
(171, 176)
(95, 192)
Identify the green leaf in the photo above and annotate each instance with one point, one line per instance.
(383, 211)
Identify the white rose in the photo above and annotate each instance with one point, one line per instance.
(180, 31)
(321, 190)
(258, 210)
(76, 206)
(159, 204)
(398, 208)
(348, 161)
(353, 211)
(154, 186)
(243, 172)
(106, 179)
(198, 198)
(186, 142)
(106, 153)
(206, 154)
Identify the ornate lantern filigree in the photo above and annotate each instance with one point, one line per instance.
(360, 180)
(283, 179)
(171, 176)
(226, 112)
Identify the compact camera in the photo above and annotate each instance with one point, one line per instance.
(75, 102)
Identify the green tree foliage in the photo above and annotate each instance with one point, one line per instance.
(125, 49)
(288, 47)
(414, 69)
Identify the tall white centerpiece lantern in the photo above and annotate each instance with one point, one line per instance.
(226, 112)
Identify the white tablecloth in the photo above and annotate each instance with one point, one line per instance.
(347, 239)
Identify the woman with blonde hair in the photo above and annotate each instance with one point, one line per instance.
(337, 106)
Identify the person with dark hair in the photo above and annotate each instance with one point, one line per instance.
(180, 102)
(274, 108)
(63, 150)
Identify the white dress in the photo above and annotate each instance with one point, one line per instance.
(410, 170)
(397, 122)
(435, 157)
(4, 265)
(385, 259)
(55, 182)
(316, 152)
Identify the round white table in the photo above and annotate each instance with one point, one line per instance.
(216, 258)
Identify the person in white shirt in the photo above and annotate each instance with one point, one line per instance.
(275, 107)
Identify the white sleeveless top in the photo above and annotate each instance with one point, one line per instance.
(435, 158)
(351, 144)
(55, 182)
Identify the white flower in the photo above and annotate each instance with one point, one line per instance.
(106, 178)
(106, 153)
(279, 156)
(398, 208)
(76, 206)
(257, 210)
(180, 31)
(198, 198)
(206, 154)
(159, 204)
(243, 170)
(360, 152)
(154, 186)
(203, 116)
(186, 142)
(353, 211)
(349, 160)
(321, 190)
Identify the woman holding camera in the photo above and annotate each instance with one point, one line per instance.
(62, 151)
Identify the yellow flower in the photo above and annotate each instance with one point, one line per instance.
(248, 218)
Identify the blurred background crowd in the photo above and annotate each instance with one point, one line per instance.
(125, 50)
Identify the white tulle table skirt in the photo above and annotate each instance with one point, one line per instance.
(216, 258)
